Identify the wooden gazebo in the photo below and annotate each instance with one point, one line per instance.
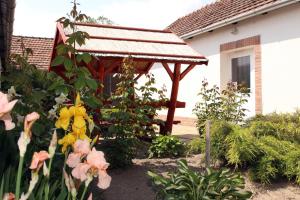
(111, 44)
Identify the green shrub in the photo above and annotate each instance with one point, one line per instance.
(188, 184)
(166, 146)
(196, 146)
(242, 148)
(219, 131)
(264, 170)
(272, 163)
(292, 164)
(258, 147)
(281, 126)
(130, 115)
(119, 152)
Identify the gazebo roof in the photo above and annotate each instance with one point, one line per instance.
(111, 44)
(147, 44)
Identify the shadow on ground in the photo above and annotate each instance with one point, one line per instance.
(133, 183)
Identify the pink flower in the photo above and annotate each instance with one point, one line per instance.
(38, 160)
(90, 197)
(5, 109)
(82, 147)
(96, 160)
(95, 164)
(29, 121)
(73, 159)
(80, 171)
(9, 196)
(103, 179)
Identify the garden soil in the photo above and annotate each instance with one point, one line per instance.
(134, 184)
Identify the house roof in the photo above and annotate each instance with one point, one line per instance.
(7, 8)
(41, 47)
(117, 41)
(221, 10)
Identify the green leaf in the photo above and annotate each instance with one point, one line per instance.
(86, 58)
(79, 83)
(58, 60)
(91, 83)
(68, 64)
(61, 49)
(79, 58)
(92, 102)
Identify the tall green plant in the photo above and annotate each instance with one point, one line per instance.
(79, 77)
(227, 105)
(132, 114)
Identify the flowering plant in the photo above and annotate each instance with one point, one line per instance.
(82, 160)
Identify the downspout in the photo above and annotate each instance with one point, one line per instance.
(7, 23)
(255, 12)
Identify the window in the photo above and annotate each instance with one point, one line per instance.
(110, 84)
(241, 70)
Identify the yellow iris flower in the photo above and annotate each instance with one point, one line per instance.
(79, 125)
(78, 112)
(64, 119)
(67, 140)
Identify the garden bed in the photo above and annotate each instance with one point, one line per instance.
(134, 184)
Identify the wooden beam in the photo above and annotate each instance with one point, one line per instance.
(149, 66)
(126, 53)
(173, 100)
(101, 76)
(138, 76)
(111, 67)
(135, 40)
(122, 27)
(158, 60)
(187, 70)
(92, 70)
(166, 66)
(61, 31)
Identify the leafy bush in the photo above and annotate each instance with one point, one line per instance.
(131, 115)
(188, 184)
(242, 147)
(166, 146)
(119, 152)
(35, 90)
(219, 132)
(226, 105)
(292, 161)
(266, 156)
(196, 146)
(281, 126)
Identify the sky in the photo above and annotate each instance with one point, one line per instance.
(37, 17)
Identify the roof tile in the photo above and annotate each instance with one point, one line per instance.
(213, 13)
(41, 48)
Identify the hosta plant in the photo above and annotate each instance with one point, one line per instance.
(188, 184)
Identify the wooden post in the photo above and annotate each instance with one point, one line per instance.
(207, 146)
(173, 99)
(101, 77)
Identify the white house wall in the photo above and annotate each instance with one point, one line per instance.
(280, 50)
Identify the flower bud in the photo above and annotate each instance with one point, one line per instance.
(23, 141)
(53, 145)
